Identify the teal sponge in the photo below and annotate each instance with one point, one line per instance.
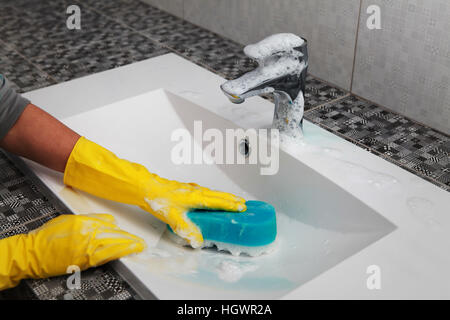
(255, 227)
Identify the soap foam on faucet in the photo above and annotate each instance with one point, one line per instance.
(273, 44)
(273, 68)
(277, 57)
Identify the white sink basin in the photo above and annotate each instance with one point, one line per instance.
(340, 210)
(319, 224)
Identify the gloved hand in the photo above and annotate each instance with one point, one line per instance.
(81, 240)
(95, 170)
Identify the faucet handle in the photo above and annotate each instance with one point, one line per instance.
(275, 44)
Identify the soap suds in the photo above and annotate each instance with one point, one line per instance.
(274, 68)
(346, 169)
(362, 174)
(289, 118)
(234, 249)
(277, 56)
(272, 45)
(237, 250)
(232, 271)
(161, 207)
(169, 263)
(158, 205)
(289, 113)
(188, 235)
(422, 210)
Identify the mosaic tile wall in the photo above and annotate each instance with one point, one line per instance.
(37, 50)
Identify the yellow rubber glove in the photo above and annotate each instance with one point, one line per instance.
(81, 240)
(97, 171)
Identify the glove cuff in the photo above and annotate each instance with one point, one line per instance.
(98, 171)
(14, 262)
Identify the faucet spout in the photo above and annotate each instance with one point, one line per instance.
(282, 66)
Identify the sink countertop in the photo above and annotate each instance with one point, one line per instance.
(413, 258)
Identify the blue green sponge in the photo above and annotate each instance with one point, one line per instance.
(256, 227)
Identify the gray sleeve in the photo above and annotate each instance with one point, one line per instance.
(12, 105)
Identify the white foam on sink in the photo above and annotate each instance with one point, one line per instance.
(232, 271)
(355, 172)
(234, 249)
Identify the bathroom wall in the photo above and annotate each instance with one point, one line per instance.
(404, 66)
(329, 27)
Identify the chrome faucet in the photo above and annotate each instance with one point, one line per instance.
(282, 66)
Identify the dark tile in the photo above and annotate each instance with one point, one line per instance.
(50, 34)
(100, 283)
(219, 55)
(23, 207)
(98, 56)
(44, 10)
(9, 16)
(114, 8)
(23, 75)
(134, 14)
(26, 204)
(9, 229)
(318, 92)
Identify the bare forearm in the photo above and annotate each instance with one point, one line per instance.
(40, 137)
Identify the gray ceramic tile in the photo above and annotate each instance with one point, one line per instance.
(329, 26)
(406, 65)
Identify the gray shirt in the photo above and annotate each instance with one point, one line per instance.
(12, 105)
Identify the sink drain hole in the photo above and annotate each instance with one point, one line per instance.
(244, 147)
